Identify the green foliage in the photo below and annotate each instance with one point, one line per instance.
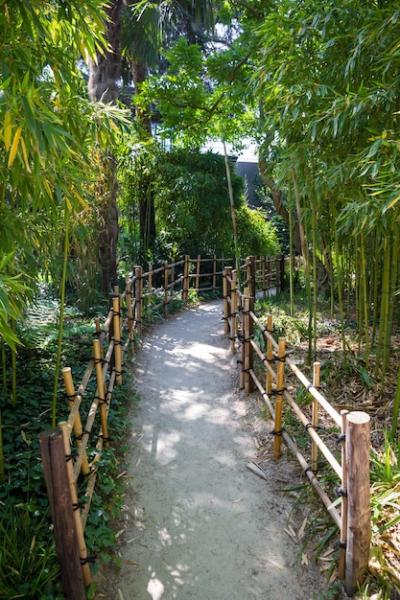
(192, 204)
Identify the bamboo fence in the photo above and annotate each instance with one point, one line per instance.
(71, 454)
(351, 510)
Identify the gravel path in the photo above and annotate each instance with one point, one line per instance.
(203, 527)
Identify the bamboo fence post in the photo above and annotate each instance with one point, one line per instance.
(280, 385)
(138, 298)
(185, 280)
(63, 515)
(87, 576)
(248, 350)
(251, 275)
(270, 356)
(78, 430)
(225, 298)
(165, 285)
(116, 322)
(150, 278)
(128, 296)
(101, 393)
(268, 277)
(314, 415)
(198, 267)
(344, 507)
(214, 274)
(234, 307)
(282, 273)
(264, 285)
(357, 446)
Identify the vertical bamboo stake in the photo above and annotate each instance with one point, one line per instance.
(214, 273)
(270, 355)
(344, 507)
(280, 384)
(358, 499)
(314, 416)
(138, 298)
(150, 279)
(225, 298)
(165, 286)
(264, 283)
(117, 339)
(101, 393)
(229, 300)
(185, 280)
(233, 310)
(87, 576)
(282, 273)
(198, 267)
(128, 296)
(248, 354)
(70, 389)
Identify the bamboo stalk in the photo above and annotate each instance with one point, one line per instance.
(165, 286)
(87, 576)
(214, 273)
(117, 339)
(225, 298)
(70, 389)
(280, 384)
(198, 263)
(185, 280)
(344, 508)
(314, 416)
(101, 394)
(138, 299)
(234, 307)
(270, 356)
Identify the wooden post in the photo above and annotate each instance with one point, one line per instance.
(344, 507)
(87, 576)
(314, 415)
(198, 267)
(280, 385)
(165, 285)
(248, 350)
(225, 298)
(234, 307)
(282, 273)
(358, 499)
(128, 297)
(70, 389)
(214, 274)
(65, 534)
(185, 280)
(270, 356)
(138, 298)
(116, 322)
(100, 392)
(251, 275)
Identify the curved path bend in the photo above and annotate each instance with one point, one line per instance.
(203, 527)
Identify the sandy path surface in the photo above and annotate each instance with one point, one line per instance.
(204, 527)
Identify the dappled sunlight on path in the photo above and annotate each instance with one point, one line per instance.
(202, 526)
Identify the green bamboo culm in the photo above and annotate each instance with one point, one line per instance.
(291, 283)
(13, 377)
(1, 451)
(396, 407)
(61, 319)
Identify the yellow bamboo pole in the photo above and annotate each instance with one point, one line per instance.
(87, 576)
(270, 356)
(101, 393)
(117, 339)
(314, 416)
(280, 385)
(78, 430)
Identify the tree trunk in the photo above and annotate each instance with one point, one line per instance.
(147, 216)
(104, 75)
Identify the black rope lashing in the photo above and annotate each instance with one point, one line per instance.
(277, 432)
(277, 392)
(115, 313)
(72, 397)
(81, 435)
(340, 438)
(78, 505)
(105, 438)
(116, 342)
(100, 400)
(88, 560)
(341, 492)
(69, 457)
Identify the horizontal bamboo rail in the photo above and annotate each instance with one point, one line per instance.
(352, 468)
